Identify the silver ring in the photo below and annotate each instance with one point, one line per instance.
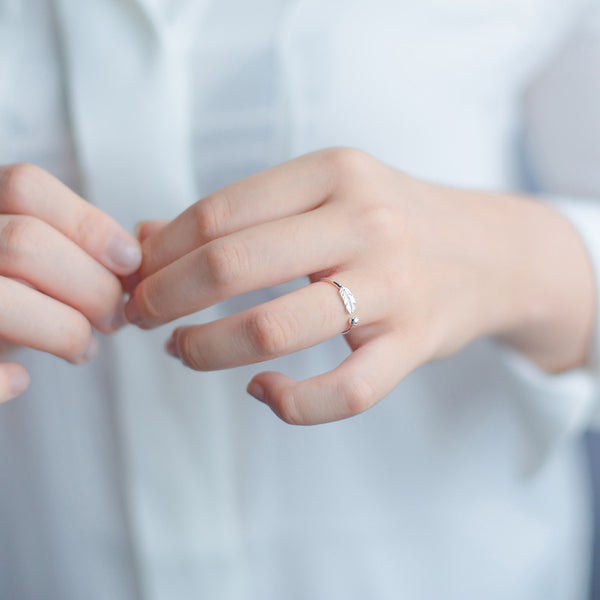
(349, 302)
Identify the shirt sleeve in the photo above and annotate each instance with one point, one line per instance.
(562, 139)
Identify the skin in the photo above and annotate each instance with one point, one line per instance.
(60, 262)
(432, 269)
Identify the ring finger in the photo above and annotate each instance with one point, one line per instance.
(30, 318)
(292, 322)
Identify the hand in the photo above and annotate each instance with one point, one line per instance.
(59, 261)
(431, 268)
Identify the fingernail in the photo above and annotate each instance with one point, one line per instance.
(92, 349)
(256, 390)
(171, 345)
(124, 252)
(19, 382)
(90, 352)
(132, 313)
(119, 319)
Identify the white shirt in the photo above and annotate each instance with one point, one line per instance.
(133, 477)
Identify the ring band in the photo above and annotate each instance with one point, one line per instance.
(349, 302)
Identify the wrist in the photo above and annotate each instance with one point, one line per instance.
(550, 291)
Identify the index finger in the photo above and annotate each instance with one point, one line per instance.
(288, 189)
(28, 190)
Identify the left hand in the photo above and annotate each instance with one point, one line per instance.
(431, 269)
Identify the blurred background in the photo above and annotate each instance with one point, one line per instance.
(592, 443)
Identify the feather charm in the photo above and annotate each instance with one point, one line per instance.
(348, 299)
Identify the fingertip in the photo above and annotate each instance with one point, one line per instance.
(115, 320)
(274, 389)
(133, 316)
(141, 230)
(132, 313)
(263, 386)
(171, 346)
(119, 320)
(15, 381)
(137, 228)
(90, 352)
(123, 254)
(19, 382)
(256, 390)
(130, 282)
(144, 229)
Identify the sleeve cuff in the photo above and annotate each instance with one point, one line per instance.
(554, 407)
(584, 216)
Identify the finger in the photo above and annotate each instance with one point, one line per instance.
(144, 229)
(30, 318)
(364, 378)
(292, 322)
(6, 347)
(14, 380)
(287, 189)
(28, 190)
(38, 254)
(254, 258)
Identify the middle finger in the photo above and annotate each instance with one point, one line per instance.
(255, 258)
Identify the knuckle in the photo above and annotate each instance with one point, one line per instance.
(16, 184)
(378, 222)
(346, 163)
(16, 236)
(211, 215)
(225, 263)
(358, 394)
(269, 333)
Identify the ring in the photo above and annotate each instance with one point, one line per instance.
(349, 302)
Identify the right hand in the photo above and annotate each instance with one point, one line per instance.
(60, 258)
